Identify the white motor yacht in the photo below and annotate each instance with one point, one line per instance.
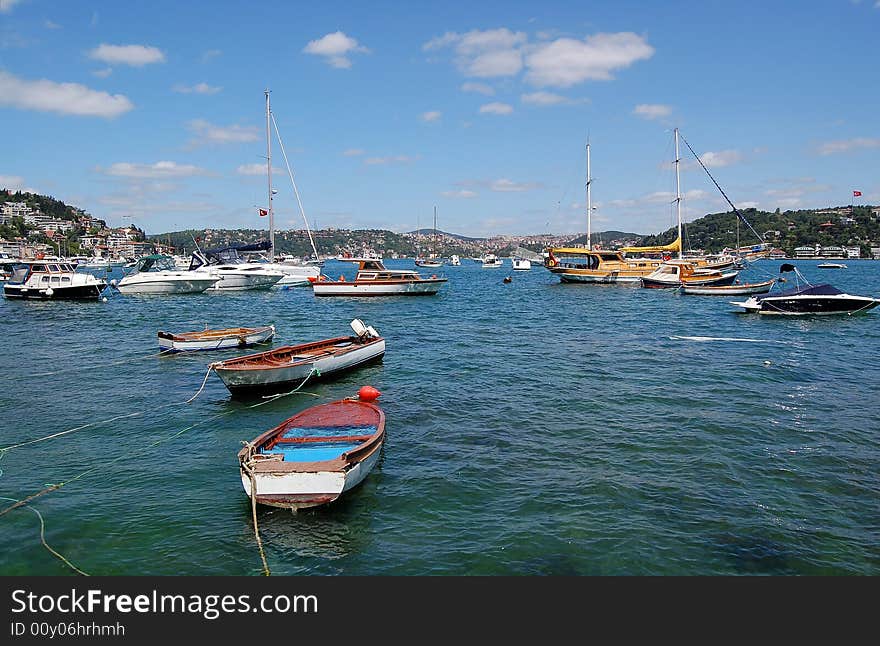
(157, 274)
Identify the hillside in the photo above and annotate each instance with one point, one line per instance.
(785, 230)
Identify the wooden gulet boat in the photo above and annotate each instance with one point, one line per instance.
(315, 456)
(289, 366)
(207, 339)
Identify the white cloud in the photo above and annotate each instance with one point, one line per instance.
(208, 133)
(198, 88)
(720, 159)
(11, 182)
(63, 98)
(496, 108)
(210, 55)
(391, 159)
(7, 5)
(479, 88)
(462, 194)
(652, 110)
(508, 186)
(486, 54)
(103, 73)
(161, 169)
(748, 205)
(335, 49)
(49, 24)
(565, 62)
(354, 152)
(544, 98)
(134, 55)
(433, 115)
(256, 169)
(848, 145)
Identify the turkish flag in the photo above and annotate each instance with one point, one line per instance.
(265, 212)
(857, 193)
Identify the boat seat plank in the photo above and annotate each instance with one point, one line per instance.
(327, 439)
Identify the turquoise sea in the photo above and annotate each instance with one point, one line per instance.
(534, 428)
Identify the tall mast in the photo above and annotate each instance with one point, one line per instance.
(678, 195)
(269, 176)
(434, 235)
(589, 200)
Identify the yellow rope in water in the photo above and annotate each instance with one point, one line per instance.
(43, 539)
(253, 497)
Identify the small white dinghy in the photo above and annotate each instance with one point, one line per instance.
(234, 337)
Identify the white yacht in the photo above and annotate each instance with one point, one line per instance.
(490, 261)
(521, 264)
(42, 280)
(234, 272)
(157, 274)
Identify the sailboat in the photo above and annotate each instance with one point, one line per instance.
(295, 273)
(595, 265)
(431, 261)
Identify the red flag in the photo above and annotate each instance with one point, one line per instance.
(857, 193)
(263, 212)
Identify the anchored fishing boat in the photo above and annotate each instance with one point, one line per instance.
(315, 456)
(804, 299)
(42, 280)
(235, 337)
(737, 289)
(291, 365)
(374, 279)
(677, 273)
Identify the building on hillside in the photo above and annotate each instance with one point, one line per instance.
(806, 251)
(853, 252)
(832, 251)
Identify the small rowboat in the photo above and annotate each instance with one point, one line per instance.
(729, 290)
(234, 337)
(315, 456)
(290, 365)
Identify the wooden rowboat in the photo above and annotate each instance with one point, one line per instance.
(291, 365)
(234, 337)
(315, 456)
(729, 290)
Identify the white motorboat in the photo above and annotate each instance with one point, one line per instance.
(158, 274)
(41, 280)
(491, 261)
(235, 273)
(374, 279)
(521, 264)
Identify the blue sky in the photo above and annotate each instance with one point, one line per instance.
(154, 113)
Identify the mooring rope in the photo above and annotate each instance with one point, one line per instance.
(246, 467)
(204, 381)
(271, 398)
(126, 456)
(81, 368)
(43, 538)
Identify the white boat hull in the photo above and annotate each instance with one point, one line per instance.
(426, 286)
(265, 378)
(242, 280)
(181, 283)
(298, 490)
(230, 341)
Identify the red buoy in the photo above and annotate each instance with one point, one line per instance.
(368, 394)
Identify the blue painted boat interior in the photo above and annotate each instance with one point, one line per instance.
(312, 452)
(327, 431)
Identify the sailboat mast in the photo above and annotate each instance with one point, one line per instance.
(678, 194)
(589, 200)
(434, 236)
(269, 176)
